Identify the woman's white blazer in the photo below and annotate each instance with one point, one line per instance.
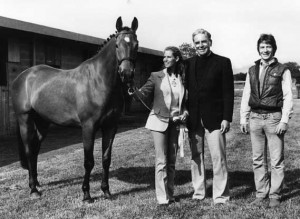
(157, 89)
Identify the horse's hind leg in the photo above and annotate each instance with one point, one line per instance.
(41, 129)
(31, 145)
(88, 135)
(108, 135)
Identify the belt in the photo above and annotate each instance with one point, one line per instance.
(265, 111)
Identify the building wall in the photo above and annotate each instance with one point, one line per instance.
(18, 59)
(71, 57)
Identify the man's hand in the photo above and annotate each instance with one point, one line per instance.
(281, 128)
(244, 128)
(225, 126)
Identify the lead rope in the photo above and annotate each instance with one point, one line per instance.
(140, 99)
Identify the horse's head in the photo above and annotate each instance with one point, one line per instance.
(126, 49)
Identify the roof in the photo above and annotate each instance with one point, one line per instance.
(49, 31)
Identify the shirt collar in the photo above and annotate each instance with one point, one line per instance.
(263, 62)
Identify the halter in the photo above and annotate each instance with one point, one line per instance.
(124, 32)
(130, 59)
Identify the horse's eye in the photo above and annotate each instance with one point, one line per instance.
(117, 46)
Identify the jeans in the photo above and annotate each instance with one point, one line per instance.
(262, 132)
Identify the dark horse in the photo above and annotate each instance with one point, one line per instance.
(89, 96)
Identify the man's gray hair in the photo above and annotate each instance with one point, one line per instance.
(201, 31)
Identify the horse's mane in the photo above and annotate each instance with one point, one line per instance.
(105, 42)
(101, 46)
(110, 37)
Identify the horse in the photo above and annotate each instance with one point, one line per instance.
(89, 96)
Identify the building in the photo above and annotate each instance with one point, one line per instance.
(24, 44)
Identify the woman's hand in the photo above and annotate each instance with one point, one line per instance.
(182, 118)
(176, 119)
(131, 90)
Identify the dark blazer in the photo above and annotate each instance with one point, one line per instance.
(211, 99)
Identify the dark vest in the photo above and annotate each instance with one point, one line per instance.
(271, 97)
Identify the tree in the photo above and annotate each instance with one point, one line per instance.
(240, 76)
(295, 70)
(187, 50)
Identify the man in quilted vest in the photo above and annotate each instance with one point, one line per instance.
(266, 106)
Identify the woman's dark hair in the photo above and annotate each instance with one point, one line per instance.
(268, 39)
(179, 66)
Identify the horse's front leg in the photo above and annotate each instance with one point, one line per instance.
(108, 135)
(88, 135)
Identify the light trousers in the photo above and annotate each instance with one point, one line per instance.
(217, 145)
(166, 146)
(262, 129)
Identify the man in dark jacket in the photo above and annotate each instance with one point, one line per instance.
(209, 81)
(267, 105)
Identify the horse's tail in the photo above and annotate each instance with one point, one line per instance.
(21, 147)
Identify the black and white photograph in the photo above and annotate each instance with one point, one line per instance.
(149, 109)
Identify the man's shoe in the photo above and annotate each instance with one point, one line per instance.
(196, 201)
(274, 203)
(257, 202)
(175, 200)
(219, 204)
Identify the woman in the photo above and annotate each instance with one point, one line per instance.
(165, 88)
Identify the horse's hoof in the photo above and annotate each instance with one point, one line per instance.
(88, 200)
(35, 195)
(107, 194)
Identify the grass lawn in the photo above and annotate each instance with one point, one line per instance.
(132, 180)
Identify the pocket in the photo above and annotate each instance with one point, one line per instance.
(253, 115)
(276, 116)
(274, 78)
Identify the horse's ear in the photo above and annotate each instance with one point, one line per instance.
(119, 24)
(134, 24)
